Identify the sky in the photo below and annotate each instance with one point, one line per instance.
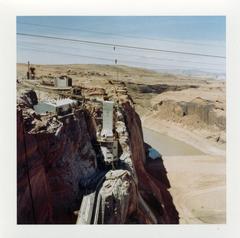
(194, 34)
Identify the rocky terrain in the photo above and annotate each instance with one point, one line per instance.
(52, 158)
(59, 162)
(195, 103)
(190, 109)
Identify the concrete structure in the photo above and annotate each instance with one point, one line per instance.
(108, 144)
(60, 107)
(107, 124)
(86, 211)
(106, 139)
(63, 82)
(109, 150)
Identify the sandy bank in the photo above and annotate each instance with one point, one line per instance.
(195, 138)
(198, 182)
(198, 188)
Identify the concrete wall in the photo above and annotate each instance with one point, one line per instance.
(61, 83)
(107, 119)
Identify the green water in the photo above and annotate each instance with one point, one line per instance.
(168, 146)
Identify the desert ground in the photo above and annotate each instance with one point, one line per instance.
(186, 108)
(198, 180)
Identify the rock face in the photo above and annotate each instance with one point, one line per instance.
(50, 165)
(59, 164)
(154, 189)
(29, 98)
(204, 111)
(117, 198)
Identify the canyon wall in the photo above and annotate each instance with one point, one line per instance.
(56, 157)
(52, 159)
(153, 188)
(204, 111)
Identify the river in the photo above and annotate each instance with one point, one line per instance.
(168, 146)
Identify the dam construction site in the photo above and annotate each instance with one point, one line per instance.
(111, 144)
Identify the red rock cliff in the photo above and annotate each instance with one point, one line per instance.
(51, 160)
(154, 189)
(55, 155)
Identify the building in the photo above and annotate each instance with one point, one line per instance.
(60, 107)
(63, 82)
(107, 141)
(107, 123)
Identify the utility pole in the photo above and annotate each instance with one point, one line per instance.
(116, 68)
(114, 48)
(28, 72)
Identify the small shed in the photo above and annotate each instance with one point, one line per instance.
(63, 82)
(60, 107)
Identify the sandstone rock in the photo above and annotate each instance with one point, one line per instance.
(28, 99)
(52, 158)
(57, 159)
(202, 109)
(117, 198)
(153, 190)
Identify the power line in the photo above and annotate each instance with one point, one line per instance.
(161, 65)
(119, 45)
(63, 53)
(114, 34)
(111, 60)
(138, 56)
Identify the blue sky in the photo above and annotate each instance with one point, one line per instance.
(196, 34)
